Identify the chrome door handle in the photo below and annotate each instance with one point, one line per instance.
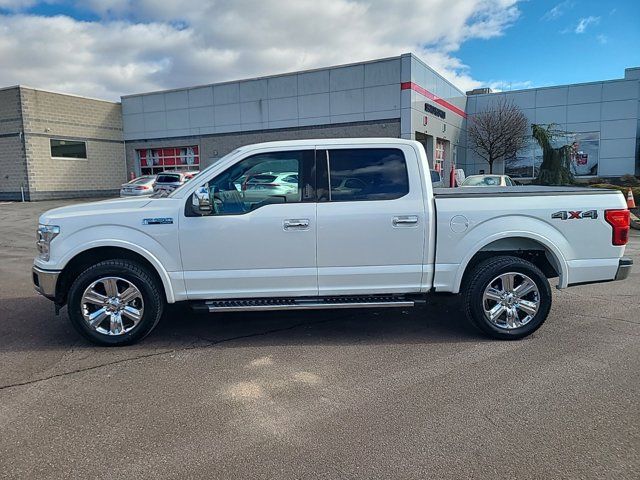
(405, 220)
(296, 224)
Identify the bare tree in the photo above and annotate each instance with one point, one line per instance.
(498, 132)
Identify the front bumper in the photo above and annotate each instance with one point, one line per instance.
(624, 268)
(45, 281)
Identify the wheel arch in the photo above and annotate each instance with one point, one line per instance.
(92, 255)
(528, 245)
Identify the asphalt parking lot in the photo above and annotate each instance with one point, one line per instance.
(341, 394)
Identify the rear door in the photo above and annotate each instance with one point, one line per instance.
(371, 221)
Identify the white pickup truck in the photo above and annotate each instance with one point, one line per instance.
(363, 228)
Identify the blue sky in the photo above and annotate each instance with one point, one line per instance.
(108, 48)
(544, 48)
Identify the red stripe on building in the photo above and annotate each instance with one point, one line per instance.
(423, 91)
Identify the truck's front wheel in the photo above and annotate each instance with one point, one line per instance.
(507, 297)
(115, 302)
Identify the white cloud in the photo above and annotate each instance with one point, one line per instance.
(585, 22)
(603, 39)
(557, 11)
(154, 44)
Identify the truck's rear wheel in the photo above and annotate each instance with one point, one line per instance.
(507, 297)
(115, 302)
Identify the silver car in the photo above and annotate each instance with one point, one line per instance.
(138, 186)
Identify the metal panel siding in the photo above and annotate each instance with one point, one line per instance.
(346, 78)
(200, 97)
(347, 102)
(155, 121)
(386, 97)
(620, 90)
(176, 100)
(317, 105)
(619, 128)
(226, 114)
(620, 147)
(591, 93)
(382, 73)
(283, 109)
(551, 97)
(153, 102)
(313, 82)
(286, 86)
(177, 119)
(253, 90)
(226, 93)
(585, 112)
(131, 105)
(548, 115)
(201, 117)
(619, 109)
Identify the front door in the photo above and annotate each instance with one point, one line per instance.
(371, 222)
(259, 240)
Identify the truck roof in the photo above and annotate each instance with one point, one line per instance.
(333, 141)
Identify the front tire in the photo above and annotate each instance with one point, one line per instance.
(115, 302)
(506, 297)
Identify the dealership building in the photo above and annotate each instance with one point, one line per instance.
(190, 128)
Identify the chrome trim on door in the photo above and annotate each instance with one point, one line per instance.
(296, 224)
(405, 220)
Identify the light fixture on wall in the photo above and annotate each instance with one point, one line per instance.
(47, 130)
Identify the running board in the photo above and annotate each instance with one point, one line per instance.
(265, 304)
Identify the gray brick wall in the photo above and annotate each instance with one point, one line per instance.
(13, 171)
(212, 147)
(49, 115)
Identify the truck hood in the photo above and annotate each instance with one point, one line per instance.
(118, 206)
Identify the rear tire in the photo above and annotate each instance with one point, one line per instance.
(115, 302)
(506, 297)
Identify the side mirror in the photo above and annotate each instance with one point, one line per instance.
(201, 202)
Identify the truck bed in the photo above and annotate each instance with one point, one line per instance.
(518, 191)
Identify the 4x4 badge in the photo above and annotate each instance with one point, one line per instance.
(575, 214)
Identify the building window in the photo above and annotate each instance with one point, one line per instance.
(155, 160)
(584, 156)
(68, 149)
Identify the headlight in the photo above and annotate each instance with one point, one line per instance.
(45, 234)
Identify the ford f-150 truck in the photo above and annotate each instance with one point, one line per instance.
(363, 228)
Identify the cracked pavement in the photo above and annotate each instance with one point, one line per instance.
(332, 394)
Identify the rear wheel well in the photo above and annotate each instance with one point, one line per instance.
(521, 247)
(85, 259)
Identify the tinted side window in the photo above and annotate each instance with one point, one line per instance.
(262, 179)
(367, 174)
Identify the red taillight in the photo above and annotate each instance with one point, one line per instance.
(142, 187)
(620, 220)
(271, 185)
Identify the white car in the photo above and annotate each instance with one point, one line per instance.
(167, 182)
(116, 264)
(488, 181)
(138, 186)
(258, 185)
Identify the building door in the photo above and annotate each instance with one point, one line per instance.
(438, 163)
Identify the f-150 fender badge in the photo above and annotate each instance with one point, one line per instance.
(577, 215)
(157, 221)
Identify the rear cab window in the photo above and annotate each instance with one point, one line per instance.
(367, 174)
(168, 178)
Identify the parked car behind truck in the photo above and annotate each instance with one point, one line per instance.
(390, 242)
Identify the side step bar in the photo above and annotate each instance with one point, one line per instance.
(265, 304)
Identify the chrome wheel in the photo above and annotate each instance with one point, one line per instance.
(112, 306)
(511, 300)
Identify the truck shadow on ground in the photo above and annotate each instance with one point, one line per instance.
(29, 324)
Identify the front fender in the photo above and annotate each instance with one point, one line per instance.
(161, 250)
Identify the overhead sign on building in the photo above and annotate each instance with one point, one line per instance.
(434, 111)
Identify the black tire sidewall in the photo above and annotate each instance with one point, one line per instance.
(132, 272)
(485, 273)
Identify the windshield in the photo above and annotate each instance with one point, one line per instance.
(483, 181)
(142, 180)
(203, 172)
